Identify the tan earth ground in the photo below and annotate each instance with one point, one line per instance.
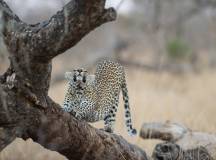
(187, 99)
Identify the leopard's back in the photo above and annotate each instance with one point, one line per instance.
(109, 77)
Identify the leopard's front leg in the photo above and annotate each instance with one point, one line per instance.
(84, 111)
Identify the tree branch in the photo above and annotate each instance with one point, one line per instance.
(59, 131)
(67, 27)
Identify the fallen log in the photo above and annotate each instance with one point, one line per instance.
(180, 140)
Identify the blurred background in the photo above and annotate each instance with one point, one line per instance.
(168, 49)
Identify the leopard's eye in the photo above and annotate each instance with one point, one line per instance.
(74, 78)
(84, 79)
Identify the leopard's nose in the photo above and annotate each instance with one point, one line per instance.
(79, 82)
(79, 78)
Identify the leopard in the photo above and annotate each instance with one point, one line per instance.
(95, 97)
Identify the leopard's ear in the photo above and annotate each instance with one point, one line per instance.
(68, 75)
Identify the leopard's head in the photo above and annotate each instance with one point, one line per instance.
(77, 79)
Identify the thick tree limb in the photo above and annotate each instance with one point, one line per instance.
(189, 141)
(26, 111)
(61, 132)
(61, 32)
(68, 26)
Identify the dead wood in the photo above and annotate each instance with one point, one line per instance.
(180, 139)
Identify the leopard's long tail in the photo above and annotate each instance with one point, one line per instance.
(128, 120)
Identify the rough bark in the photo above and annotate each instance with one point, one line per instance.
(26, 111)
(180, 141)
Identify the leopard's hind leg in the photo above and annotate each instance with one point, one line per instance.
(110, 119)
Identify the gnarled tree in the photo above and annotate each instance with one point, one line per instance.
(26, 111)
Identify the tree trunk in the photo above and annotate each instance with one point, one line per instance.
(26, 111)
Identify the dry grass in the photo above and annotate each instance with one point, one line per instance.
(187, 99)
(28, 150)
